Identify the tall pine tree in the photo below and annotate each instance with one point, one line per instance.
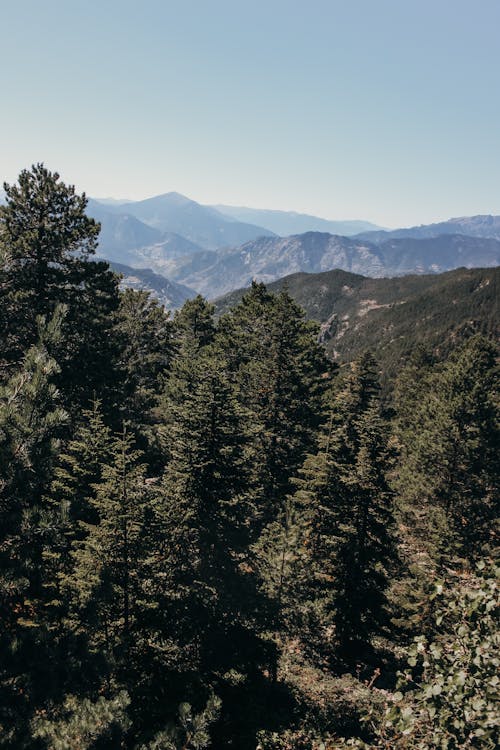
(346, 499)
(46, 240)
(280, 373)
(31, 421)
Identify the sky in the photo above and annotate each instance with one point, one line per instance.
(382, 110)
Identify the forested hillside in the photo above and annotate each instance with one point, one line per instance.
(213, 536)
(390, 317)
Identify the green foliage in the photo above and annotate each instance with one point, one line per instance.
(105, 584)
(345, 494)
(279, 371)
(197, 510)
(448, 429)
(45, 242)
(449, 699)
(31, 421)
(194, 325)
(43, 235)
(207, 509)
(145, 334)
(190, 731)
(80, 724)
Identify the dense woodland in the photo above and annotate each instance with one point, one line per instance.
(211, 535)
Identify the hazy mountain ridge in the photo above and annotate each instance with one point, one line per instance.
(202, 225)
(269, 258)
(482, 225)
(403, 255)
(204, 255)
(121, 233)
(285, 223)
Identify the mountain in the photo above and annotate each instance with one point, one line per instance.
(197, 246)
(390, 316)
(407, 255)
(285, 223)
(200, 268)
(121, 233)
(170, 294)
(473, 226)
(125, 239)
(269, 258)
(201, 225)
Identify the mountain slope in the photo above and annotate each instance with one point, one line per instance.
(169, 293)
(390, 316)
(285, 223)
(202, 225)
(267, 259)
(447, 251)
(126, 239)
(121, 233)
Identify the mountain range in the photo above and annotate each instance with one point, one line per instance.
(483, 225)
(214, 249)
(213, 273)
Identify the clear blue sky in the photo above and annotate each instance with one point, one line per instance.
(386, 110)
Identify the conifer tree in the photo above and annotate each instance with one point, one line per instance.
(144, 331)
(43, 231)
(84, 724)
(345, 496)
(279, 371)
(70, 500)
(46, 240)
(31, 421)
(209, 602)
(449, 468)
(193, 324)
(208, 503)
(105, 583)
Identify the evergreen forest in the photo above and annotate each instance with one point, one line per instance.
(213, 535)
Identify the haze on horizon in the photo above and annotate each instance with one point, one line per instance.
(382, 111)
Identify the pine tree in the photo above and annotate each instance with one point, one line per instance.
(144, 330)
(43, 230)
(279, 369)
(46, 241)
(31, 421)
(345, 496)
(84, 724)
(191, 731)
(88, 350)
(210, 604)
(194, 325)
(448, 477)
(208, 503)
(70, 501)
(105, 585)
